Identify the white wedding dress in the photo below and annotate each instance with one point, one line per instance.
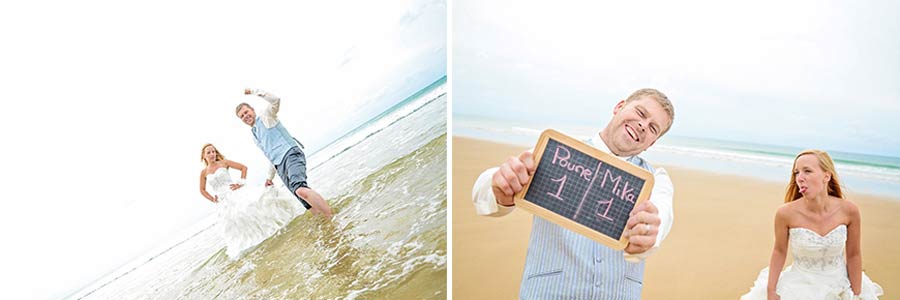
(819, 270)
(249, 215)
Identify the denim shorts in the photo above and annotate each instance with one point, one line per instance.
(292, 171)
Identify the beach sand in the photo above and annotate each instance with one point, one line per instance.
(721, 238)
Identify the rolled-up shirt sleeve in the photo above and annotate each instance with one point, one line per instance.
(483, 196)
(271, 173)
(270, 115)
(661, 196)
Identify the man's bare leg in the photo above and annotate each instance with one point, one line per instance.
(316, 201)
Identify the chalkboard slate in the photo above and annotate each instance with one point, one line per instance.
(584, 189)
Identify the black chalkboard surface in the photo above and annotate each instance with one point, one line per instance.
(584, 189)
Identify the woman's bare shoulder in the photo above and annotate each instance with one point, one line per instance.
(787, 208)
(849, 208)
(787, 212)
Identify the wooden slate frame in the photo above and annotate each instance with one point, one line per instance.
(600, 155)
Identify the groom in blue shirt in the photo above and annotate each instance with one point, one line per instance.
(562, 264)
(283, 151)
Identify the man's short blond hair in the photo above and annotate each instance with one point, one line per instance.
(237, 109)
(661, 99)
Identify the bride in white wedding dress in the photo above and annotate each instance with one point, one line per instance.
(247, 215)
(824, 235)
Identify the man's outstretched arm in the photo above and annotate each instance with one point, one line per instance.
(274, 102)
(494, 189)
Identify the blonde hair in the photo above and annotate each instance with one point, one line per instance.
(661, 99)
(827, 165)
(237, 109)
(219, 155)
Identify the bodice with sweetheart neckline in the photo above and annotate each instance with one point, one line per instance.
(220, 182)
(814, 252)
(819, 270)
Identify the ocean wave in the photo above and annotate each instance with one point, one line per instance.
(526, 130)
(778, 160)
(774, 161)
(398, 112)
(387, 239)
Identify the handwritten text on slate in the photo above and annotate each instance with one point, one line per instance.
(619, 188)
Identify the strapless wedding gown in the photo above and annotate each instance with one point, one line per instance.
(819, 270)
(249, 215)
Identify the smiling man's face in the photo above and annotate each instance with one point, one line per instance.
(247, 115)
(635, 126)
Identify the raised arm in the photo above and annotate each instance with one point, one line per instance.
(203, 188)
(274, 101)
(779, 251)
(854, 254)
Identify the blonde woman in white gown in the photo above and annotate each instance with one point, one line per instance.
(247, 215)
(823, 231)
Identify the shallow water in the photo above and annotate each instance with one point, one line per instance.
(387, 239)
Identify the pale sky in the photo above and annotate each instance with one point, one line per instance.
(814, 74)
(107, 105)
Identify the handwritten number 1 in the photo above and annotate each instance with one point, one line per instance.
(605, 212)
(562, 182)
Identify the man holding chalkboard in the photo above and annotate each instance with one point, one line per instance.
(562, 264)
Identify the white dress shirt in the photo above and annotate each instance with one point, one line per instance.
(661, 197)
